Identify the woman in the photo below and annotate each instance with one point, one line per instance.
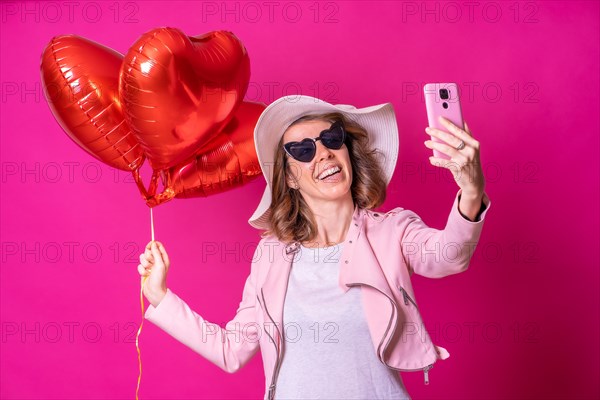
(329, 300)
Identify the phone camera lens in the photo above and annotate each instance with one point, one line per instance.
(445, 105)
(444, 94)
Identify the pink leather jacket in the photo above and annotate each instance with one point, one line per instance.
(381, 252)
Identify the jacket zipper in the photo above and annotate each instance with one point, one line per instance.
(406, 297)
(272, 385)
(426, 373)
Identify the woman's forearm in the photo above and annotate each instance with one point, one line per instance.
(469, 205)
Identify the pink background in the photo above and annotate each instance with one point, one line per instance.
(522, 322)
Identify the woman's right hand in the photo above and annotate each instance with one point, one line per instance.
(154, 264)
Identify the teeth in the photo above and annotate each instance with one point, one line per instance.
(328, 172)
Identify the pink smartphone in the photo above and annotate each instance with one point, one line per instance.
(442, 99)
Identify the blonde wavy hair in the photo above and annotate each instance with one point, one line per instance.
(290, 216)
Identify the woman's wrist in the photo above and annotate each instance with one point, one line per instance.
(155, 300)
(470, 205)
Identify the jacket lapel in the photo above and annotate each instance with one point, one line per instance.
(363, 268)
(275, 285)
(358, 266)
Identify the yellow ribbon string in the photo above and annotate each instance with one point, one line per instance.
(142, 323)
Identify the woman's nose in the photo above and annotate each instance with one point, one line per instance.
(323, 152)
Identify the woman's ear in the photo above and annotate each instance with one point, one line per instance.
(292, 183)
(290, 177)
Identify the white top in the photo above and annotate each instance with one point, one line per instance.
(328, 352)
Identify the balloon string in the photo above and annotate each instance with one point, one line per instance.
(152, 224)
(142, 323)
(137, 340)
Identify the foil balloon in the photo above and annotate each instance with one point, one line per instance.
(179, 92)
(80, 81)
(230, 160)
(174, 100)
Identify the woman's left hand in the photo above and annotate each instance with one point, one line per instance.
(464, 164)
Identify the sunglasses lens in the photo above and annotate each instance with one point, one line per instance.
(303, 151)
(334, 137)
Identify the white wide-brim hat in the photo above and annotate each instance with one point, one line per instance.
(379, 121)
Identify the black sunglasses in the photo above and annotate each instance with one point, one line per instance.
(304, 151)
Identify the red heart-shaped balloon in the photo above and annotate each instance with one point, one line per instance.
(180, 91)
(229, 161)
(80, 79)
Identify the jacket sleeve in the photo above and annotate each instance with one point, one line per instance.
(435, 253)
(230, 348)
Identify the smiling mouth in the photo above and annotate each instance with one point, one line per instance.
(329, 173)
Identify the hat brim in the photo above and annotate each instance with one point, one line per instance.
(379, 121)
